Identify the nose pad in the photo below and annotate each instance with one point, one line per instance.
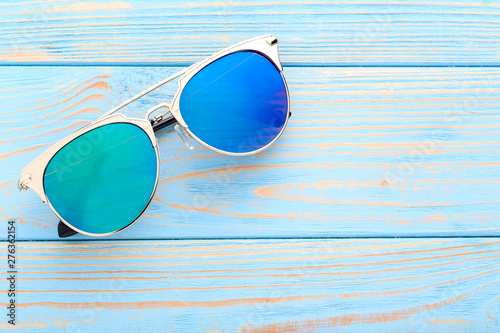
(184, 136)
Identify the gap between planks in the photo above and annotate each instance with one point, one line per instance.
(99, 239)
(285, 64)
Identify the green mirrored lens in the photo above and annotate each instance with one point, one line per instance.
(103, 180)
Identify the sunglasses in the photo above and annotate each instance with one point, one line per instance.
(100, 179)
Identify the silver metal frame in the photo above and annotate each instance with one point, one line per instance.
(32, 175)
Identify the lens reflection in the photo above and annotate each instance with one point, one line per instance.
(103, 180)
(237, 103)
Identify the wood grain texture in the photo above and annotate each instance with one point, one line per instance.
(378, 151)
(448, 32)
(390, 285)
(368, 152)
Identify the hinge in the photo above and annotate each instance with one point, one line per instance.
(21, 183)
(159, 117)
(156, 119)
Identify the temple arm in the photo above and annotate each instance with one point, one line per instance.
(158, 125)
(64, 231)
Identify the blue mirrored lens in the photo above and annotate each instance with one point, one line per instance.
(237, 103)
(103, 180)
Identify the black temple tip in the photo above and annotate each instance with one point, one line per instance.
(64, 231)
(163, 123)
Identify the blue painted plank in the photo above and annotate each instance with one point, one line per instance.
(368, 33)
(418, 285)
(368, 152)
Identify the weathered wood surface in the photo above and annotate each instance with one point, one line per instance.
(368, 152)
(447, 32)
(389, 285)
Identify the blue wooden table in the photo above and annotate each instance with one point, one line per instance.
(378, 209)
